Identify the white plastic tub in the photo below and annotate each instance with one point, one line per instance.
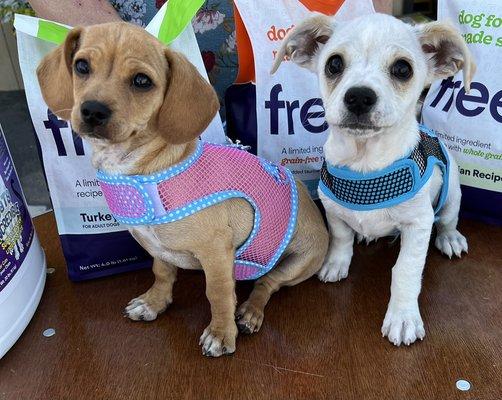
(22, 260)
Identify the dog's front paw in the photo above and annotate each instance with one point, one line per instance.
(403, 326)
(147, 306)
(249, 318)
(217, 342)
(451, 242)
(139, 309)
(334, 269)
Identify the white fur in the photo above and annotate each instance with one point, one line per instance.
(116, 158)
(139, 310)
(369, 46)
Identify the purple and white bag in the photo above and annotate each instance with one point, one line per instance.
(94, 243)
(470, 124)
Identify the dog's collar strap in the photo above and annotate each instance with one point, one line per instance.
(390, 186)
(211, 175)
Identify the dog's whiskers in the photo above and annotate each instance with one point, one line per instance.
(61, 110)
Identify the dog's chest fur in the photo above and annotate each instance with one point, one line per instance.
(375, 223)
(147, 237)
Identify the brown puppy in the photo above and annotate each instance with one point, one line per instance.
(155, 105)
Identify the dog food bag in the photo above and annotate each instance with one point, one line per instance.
(280, 116)
(22, 260)
(94, 243)
(470, 124)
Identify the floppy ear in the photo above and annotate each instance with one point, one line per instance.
(302, 43)
(447, 52)
(190, 102)
(55, 76)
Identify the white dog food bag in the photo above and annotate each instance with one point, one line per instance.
(280, 116)
(94, 243)
(470, 124)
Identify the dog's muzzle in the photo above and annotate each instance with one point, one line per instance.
(95, 113)
(360, 100)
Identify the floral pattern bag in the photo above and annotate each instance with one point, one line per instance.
(214, 29)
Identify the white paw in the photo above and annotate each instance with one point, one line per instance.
(139, 310)
(334, 269)
(451, 242)
(216, 345)
(403, 326)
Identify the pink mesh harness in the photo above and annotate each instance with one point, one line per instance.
(212, 174)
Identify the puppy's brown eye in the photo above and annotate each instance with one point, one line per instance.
(402, 70)
(334, 65)
(141, 81)
(82, 67)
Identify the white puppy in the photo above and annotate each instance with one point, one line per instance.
(371, 72)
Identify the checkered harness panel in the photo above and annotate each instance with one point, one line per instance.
(386, 187)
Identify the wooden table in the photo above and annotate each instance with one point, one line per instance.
(318, 341)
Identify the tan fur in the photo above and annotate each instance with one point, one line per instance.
(151, 131)
(58, 66)
(185, 87)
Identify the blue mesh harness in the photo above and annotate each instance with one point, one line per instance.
(392, 185)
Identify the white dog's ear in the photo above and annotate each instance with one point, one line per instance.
(303, 42)
(447, 52)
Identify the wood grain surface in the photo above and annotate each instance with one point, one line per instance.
(318, 341)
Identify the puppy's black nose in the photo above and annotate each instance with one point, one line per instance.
(95, 113)
(360, 100)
